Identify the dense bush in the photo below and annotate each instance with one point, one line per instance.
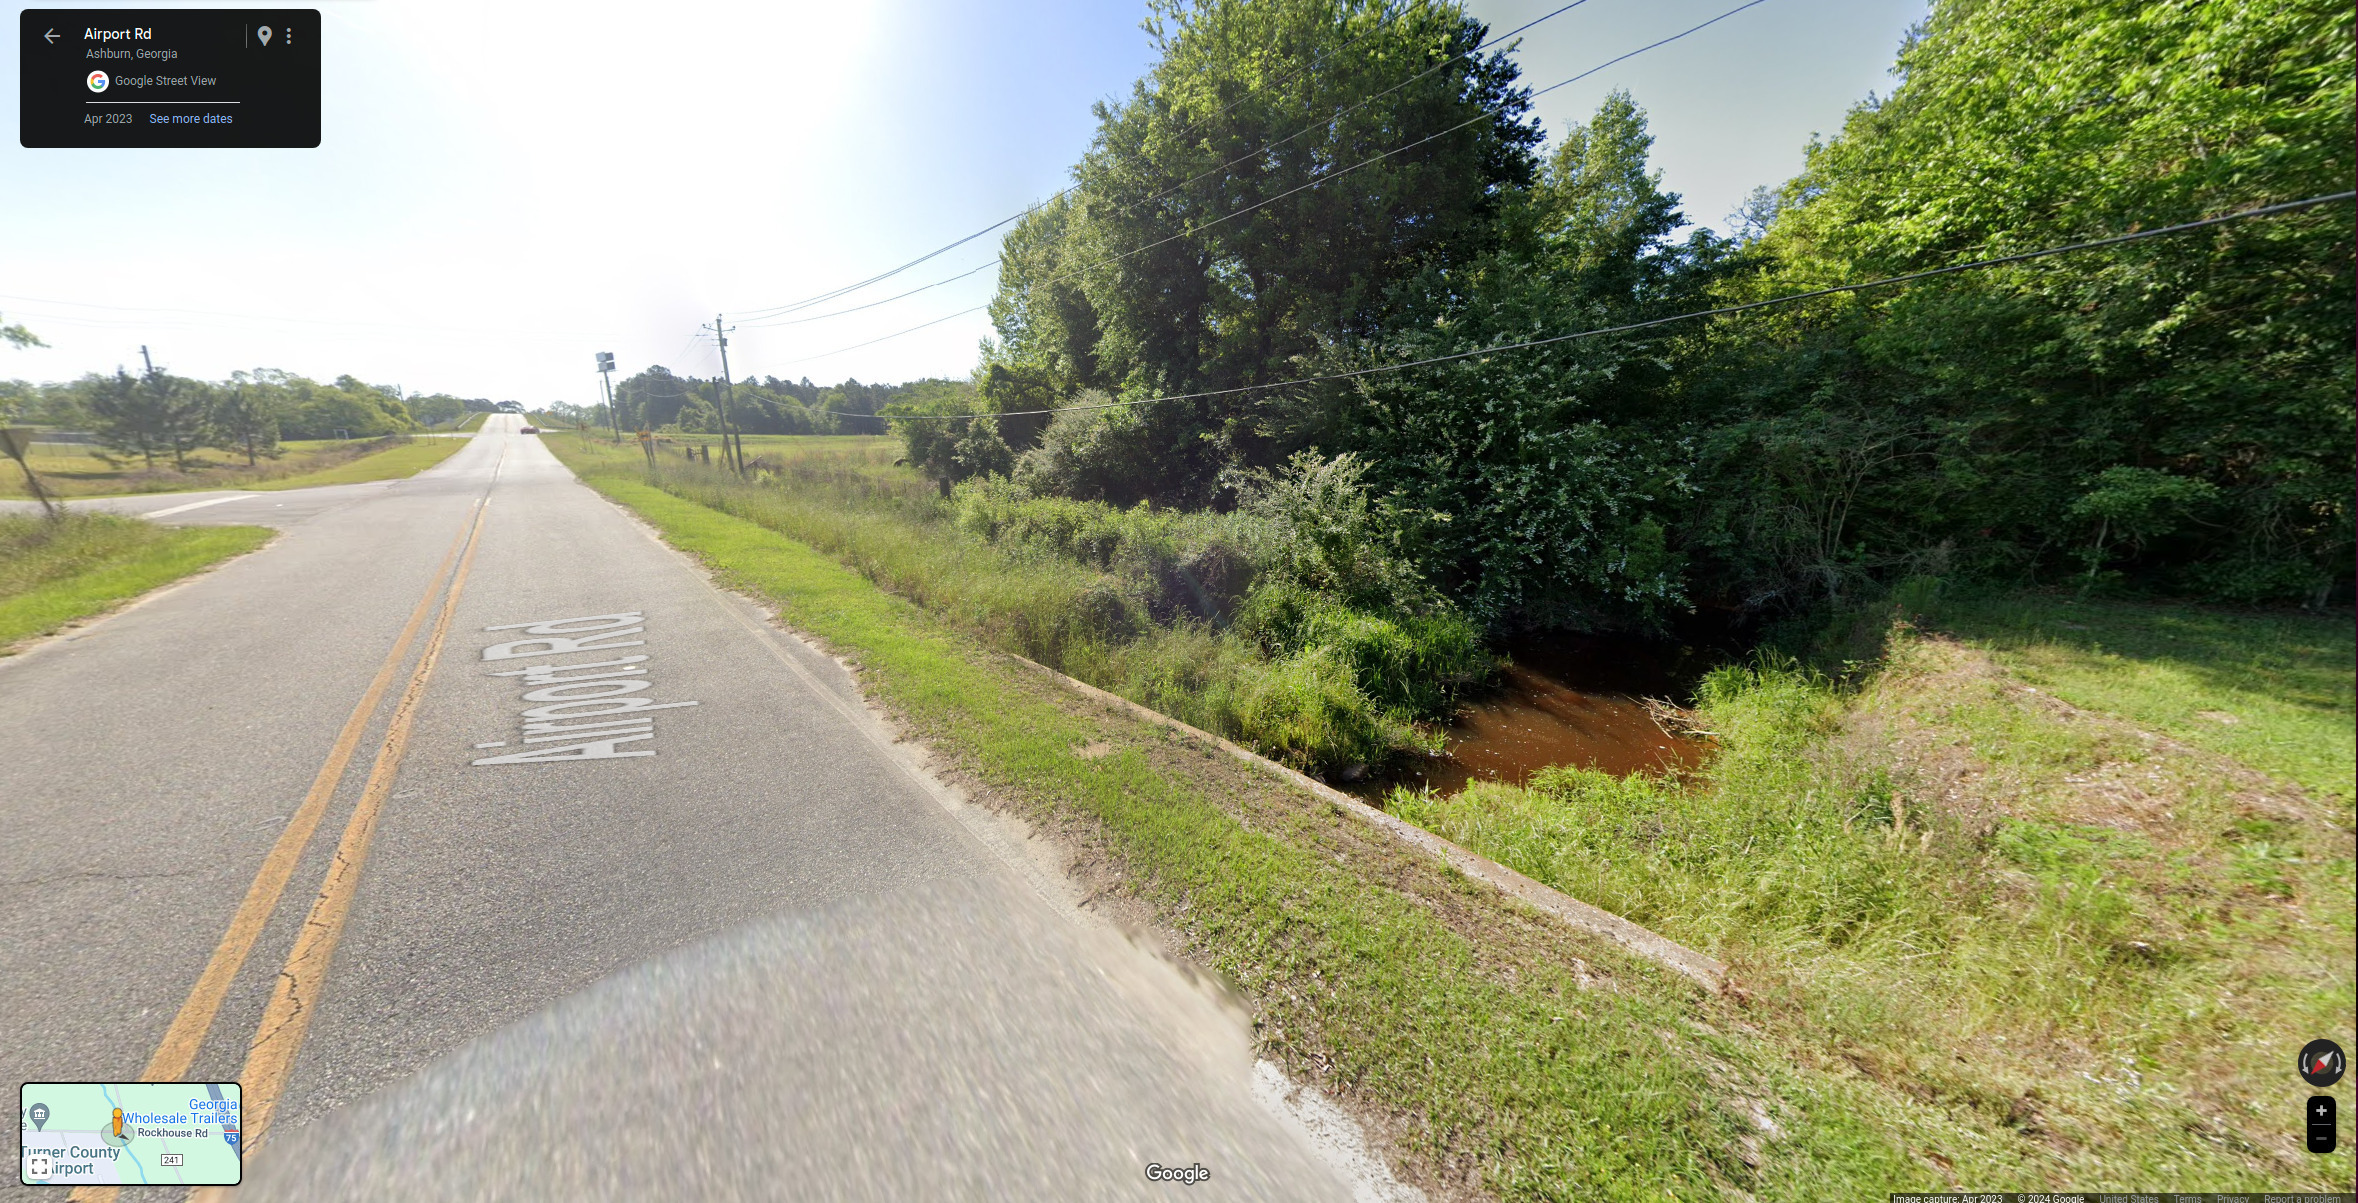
(1418, 664)
(2175, 413)
(1302, 569)
(1236, 623)
(2171, 415)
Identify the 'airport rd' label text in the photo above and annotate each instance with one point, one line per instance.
(581, 709)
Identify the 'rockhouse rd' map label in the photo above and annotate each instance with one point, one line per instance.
(129, 1133)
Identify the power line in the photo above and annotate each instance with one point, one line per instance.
(820, 317)
(1316, 182)
(822, 298)
(1257, 152)
(1812, 294)
(793, 306)
(1339, 172)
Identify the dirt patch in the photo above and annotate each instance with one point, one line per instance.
(2108, 773)
(2209, 866)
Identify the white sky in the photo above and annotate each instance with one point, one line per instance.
(502, 190)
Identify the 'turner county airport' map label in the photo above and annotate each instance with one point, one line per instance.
(129, 1133)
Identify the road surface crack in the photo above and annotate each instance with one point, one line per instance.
(109, 874)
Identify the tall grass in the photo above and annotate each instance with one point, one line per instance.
(1162, 607)
(1916, 883)
(52, 573)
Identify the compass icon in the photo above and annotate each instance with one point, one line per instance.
(2322, 1063)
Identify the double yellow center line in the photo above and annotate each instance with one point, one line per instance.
(280, 1035)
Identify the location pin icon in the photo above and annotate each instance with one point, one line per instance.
(40, 1114)
(264, 34)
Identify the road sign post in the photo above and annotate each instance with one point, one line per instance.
(17, 442)
(606, 379)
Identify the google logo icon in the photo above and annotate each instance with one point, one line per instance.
(98, 81)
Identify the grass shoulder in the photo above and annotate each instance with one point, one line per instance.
(1234, 623)
(400, 460)
(55, 573)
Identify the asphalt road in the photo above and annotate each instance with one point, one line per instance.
(767, 961)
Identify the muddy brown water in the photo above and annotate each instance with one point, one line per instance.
(1567, 701)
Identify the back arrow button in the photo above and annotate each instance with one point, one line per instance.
(52, 36)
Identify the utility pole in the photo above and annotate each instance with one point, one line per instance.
(731, 446)
(606, 378)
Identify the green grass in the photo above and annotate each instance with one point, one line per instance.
(1962, 968)
(302, 463)
(54, 573)
(1545, 1086)
(1935, 999)
(1950, 891)
(405, 459)
(1093, 591)
(2272, 690)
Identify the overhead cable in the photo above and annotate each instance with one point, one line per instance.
(821, 298)
(1812, 294)
(1265, 148)
(1319, 181)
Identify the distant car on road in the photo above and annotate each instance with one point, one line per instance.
(531, 430)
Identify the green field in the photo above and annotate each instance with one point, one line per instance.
(75, 471)
(54, 573)
(405, 459)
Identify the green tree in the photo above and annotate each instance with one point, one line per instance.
(349, 408)
(11, 400)
(2134, 505)
(436, 409)
(245, 418)
(949, 433)
(17, 336)
(148, 415)
(1547, 479)
(1198, 250)
(1020, 390)
(2222, 357)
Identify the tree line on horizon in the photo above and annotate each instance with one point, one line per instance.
(655, 399)
(158, 416)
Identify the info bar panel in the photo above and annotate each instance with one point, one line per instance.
(168, 77)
